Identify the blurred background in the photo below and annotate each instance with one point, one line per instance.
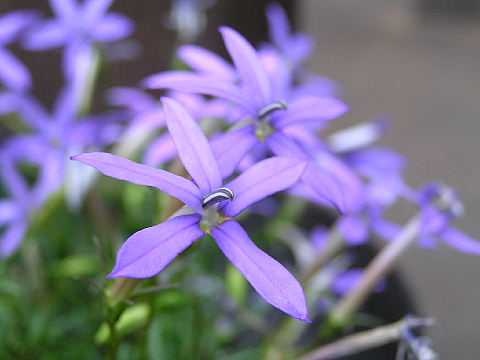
(419, 63)
(415, 61)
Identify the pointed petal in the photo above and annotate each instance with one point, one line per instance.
(49, 34)
(149, 251)
(206, 62)
(248, 65)
(278, 25)
(317, 111)
(353, 229)
(12, 23)
(192, 146)
(123, 169)
(113, 27)
(350, 183)
(93, 10)
(261, 180)
(63, 8)
(376, 161)
(190, 82)
(230, 148)
(283, 145)
(160, 151)
(13, 73)
(325, 186)
(461, 241)
(267, 276)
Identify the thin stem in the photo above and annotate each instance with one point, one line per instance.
(335, 246)
(365, 340)
(380, 266)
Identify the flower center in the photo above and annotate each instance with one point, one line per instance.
(263, 128)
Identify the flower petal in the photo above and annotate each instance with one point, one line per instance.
(283, 145)
(149, 251)
(349, 181)
(326, 186)
(248, 65)
(206, 62)
(376, 161)
(113, 27)
(461, 241)
(190, 82)
(48, 35)
(278, 25)
(12, 23)
(353, 229)
(64, 8)
(230, 148)
(13, 73)
(160, 151)
(261, 180)
(123, 169)
(94, 10)
(311, 110)
(267, 276)
(192, 146)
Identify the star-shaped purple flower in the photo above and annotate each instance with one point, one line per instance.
(87, 21)
(213, 207)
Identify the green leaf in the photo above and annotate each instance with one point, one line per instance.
(133, 318)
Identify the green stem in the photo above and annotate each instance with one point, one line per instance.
(336, 244)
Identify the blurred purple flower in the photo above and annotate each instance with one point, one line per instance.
(79, 22)
(294, 47)
(24, 198)
(77, 27)
(349, 279)
(440, 205)
(149, 251)
(13, 74)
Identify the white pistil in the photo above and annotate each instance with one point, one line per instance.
(267, 110)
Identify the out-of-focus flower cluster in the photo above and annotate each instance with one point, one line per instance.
(243, 130)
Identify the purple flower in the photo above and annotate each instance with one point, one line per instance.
(270, 120)
(440, 205)
(13, 74)
(77, 27)
(214, 206)
(84, 22)
(294, 47)
(24, 199)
